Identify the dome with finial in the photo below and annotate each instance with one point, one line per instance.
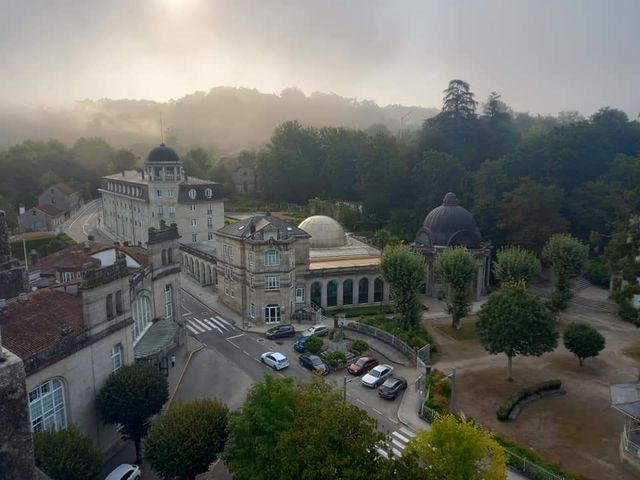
(163, 154)
(449, 225)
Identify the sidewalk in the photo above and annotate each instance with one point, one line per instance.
(208, 297)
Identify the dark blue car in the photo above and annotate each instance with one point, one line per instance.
(299, 345)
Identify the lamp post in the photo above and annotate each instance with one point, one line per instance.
(344, 387)
(452, 401)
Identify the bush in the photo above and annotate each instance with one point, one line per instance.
(314, 344)
(508, 405)
(67, 455)
(359, 346)
(439, 389)
(335, 359)
(598, 273)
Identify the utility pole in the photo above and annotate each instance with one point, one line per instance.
(452, 402)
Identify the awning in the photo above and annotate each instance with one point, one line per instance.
(625, 397)
(159, 336)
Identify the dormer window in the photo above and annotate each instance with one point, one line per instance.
(208, 193)
(192, 194)
(271, 235)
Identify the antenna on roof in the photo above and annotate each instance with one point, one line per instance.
(161, 129)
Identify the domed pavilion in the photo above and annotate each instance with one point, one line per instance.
(446, 226)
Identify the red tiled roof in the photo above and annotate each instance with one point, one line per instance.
(49, 210)
(30, 328)
(75, 257)
(137, 254)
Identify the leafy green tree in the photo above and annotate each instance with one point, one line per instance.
(47, 179)
(130, 397)
(123, 159)
(340, 150)
(348, 217)
(93, 153)
(10, 212)
(514, 322)
(383, 237)
(404, 271)
(198, 164)
(254, 429)
(583, 341)
(531, 213)
(458, 268)
(458, 100)
(516, 264)
(434, 175)
(455, 450)
(187, 438)
(67, 455)
(314, 344)
(568, 255)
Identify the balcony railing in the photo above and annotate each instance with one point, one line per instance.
(629, 439)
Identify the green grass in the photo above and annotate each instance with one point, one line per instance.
(416, 337)
(466, 332)
(40, 244)
(633, 352)
(365, 311)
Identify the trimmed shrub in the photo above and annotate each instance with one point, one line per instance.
(359, 346)
(66, 455)
(335, 359)
(314, 344)
(598, 273)
(508, 405)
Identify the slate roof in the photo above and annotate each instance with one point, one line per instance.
(45, 318)
(242, 229)
(625, 397)
(449, 225)
(64, 188)
(49, 210)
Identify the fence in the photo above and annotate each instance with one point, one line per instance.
(385, 337)
(629, 445)
(521, 464)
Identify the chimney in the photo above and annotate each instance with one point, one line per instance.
(252, 228)
(91, 238)
(142, 174)
(123, 172)
(34, 257)
(87, 246)
(21, 209)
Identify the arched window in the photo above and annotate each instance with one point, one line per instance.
(332, 293)
(141, 316)
(363, 290)
(192, 194)
(378, 290)
(47, 406)
(208, 193)
(316, 293)
(347, 292)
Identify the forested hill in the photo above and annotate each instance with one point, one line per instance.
(222, 121)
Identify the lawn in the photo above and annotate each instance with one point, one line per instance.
(633, 352)
(466, 332)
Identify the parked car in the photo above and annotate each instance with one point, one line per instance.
(275, 360)
(362, 365)
(299, 345)
(281, 331)
(377, 375)
(126, 471)
(314, 363)
(319, 330)
(392, 387)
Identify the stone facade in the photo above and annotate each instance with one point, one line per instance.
(63, 198)
(244, 179)
(41, 218)
(13, 276)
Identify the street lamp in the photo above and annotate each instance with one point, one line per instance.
(452, 401)
(344, 387)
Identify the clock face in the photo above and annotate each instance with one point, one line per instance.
(192, 194)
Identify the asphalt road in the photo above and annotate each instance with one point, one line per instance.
(85, 224)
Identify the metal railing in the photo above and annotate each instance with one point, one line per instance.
(385, 337)
(629, 445)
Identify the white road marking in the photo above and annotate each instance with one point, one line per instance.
(219, 324)
(378, 412)
(235, 336)
(223, 320)
(246, 353)
(186, 314)
(408, 432)
(191, 329)
(396, 452)
(211, 325)
(200, 324)
(360, 401)
(195, 327)
(186, 309)
(382, 452)
(392, 420)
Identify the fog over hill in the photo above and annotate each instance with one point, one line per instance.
(224, 120)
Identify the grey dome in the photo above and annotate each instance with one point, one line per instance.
(163, 154)
(449, 225)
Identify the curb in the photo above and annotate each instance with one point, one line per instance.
(184, 370)
(402, 402)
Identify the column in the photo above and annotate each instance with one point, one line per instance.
(385, 295)
(356, 290)
(340, 291)
(323, 294)
(372, 281)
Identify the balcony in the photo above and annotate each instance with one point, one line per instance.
(631, 439)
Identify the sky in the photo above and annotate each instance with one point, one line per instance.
(543, 56)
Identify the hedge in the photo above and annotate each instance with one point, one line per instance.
(335, 359)
(508, 405)
(359, 346)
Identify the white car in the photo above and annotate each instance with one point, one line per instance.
(275, 360)
(126, 471)
(377, 375)
(319, 330)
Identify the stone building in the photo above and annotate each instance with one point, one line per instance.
(244, 179)
(447, 226)
(55, 204)
(13, 276)
(134, 201)
(270, 271)
(73, 335)
(63, 197)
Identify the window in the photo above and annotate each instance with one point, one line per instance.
(172, 212)
(194, 237)
(170, 255)
(210, 210)
(168, 301)
(299, 292)
(46, 406)
(272, 282)
(109, 307)
(141, 316)
(158, 193)
(116, 358)
(192, 194)
(292, 259)
(231, 293)
(227, 251)
(208, 193)
(193, 207)
(209, 235)
(272, 314)
(194, 222)
(252, 310)
(119, 305)
(209, 222)
(271, 258)
(226, 289)
(160, 212)
(164, 257)
(252, 259)
(252, 280)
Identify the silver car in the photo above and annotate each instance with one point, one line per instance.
(377, 375)
(126, 471)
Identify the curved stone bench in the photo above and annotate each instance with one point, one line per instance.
(548, 393)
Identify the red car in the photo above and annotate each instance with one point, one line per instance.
(362, 365)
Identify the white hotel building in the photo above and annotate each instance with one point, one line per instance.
(133, 201)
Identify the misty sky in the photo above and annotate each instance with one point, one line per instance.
(542, 55)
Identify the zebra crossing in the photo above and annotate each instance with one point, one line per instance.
(201, 325)
(398, 440)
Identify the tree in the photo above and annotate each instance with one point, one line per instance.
(67, 455)
(568, 255)
(130, 397)
(404, 271)
(583, 341)
(455, 450)
(531, 213)
(47, 179)
(198, 164)
(313, 344)
(458, 268)
(348, 217)
(383, 237)
(187, 438)
(255, 428)
(514, 322)
(434, 175)
(516, 264)
(458, 101)
(123, 159)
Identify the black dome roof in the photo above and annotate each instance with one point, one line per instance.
(162, 153)
(449, 225)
